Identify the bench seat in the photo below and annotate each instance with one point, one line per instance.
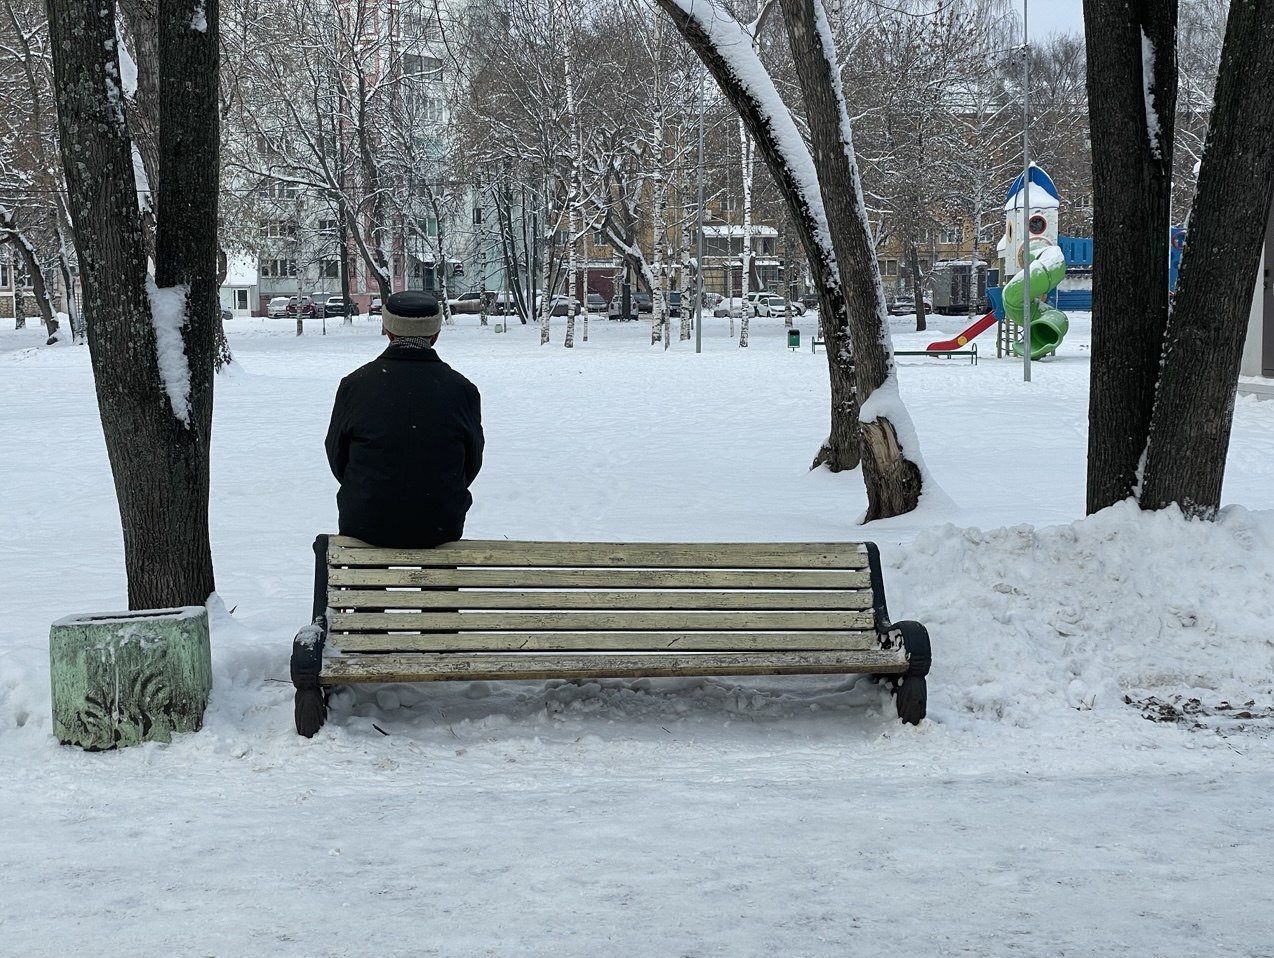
(485, 610)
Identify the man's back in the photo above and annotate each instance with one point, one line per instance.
(405, 442)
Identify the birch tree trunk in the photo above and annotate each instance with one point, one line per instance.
(659, 288)
(893, 480)
(747, 158)
(483, 240)
(573, 205)
(156, 421)
(1194, 407)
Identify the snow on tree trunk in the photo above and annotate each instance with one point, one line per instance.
(1194, 404)
(891, 470)
(1132, 187)
(159, 462)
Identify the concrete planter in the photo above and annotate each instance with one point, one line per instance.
(128, 677)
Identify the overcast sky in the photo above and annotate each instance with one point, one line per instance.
(1053, 16)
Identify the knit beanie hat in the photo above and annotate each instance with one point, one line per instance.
(411, 313)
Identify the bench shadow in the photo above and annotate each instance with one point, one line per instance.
(615, 708)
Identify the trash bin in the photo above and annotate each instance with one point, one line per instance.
(793, 339)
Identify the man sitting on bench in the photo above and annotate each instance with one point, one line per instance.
(405, 440)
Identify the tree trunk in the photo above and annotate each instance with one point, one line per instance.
(1194, 407)
(841, 449)
(1132, 186)
(43, 301)
(157, 426)
(143, 108)
(893, 481)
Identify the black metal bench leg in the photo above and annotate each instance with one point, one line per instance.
(911, 690)
(307, 663)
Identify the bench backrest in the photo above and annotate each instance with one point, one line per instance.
(499, 595)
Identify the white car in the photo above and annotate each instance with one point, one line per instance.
(728, 307)
(278, 306)
(775, 306)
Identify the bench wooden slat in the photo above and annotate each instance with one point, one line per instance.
(606, 621)
(606, 641)
(426, 668)
(498, 552)
(620, 601)
(533, 578)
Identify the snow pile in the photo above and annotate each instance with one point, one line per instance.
(1028, 622)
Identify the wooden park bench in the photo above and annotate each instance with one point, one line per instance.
(971, 352)
(483, 610)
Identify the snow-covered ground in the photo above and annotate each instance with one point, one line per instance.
(1037, 811)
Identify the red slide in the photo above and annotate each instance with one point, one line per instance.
(971, 333)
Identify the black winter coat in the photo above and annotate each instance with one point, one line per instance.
(405, 443)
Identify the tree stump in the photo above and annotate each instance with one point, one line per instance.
(129, 677)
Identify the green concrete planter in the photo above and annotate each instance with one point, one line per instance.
(129, 677)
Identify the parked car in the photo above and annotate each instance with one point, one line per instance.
(374, 308)
(470, 302)
(775, 306)
(308, 306)
(728, 307)
(504, 304)
(906, 306)
(560, 305)
(226, 314)
(596, 303)
(339, 306)
(277, 306)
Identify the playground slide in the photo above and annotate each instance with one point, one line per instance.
(963, 339)
(1048, 325)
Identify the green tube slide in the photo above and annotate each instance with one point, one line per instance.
(1048, 325)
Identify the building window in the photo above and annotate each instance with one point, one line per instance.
(330, 269)
(278, 228)
(766, 246)
(951, 236)
(327, 226)
(277, 190)
(889, 267)
(990, 233)
(4, 275)
(600, 238)
(422, 67)
(1083, 201)
(278, 267)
